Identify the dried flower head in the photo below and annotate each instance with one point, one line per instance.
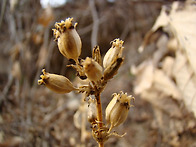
(92, 69)
(56, 83)
(113, 53)
(68, 40)
(117, 109)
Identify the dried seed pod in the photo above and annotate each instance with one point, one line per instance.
(68, 40)
(111, 70)
(92, 69)
(117, 109)
(92, 111)
(56, 83)
(110, 106)
(100, 134)
(96, 55)
(113, 53)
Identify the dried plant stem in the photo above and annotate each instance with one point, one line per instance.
(99, 111)
(101, 144)
(99, 115)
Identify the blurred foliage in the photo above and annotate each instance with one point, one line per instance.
(32, 116)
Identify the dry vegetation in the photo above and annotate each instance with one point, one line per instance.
(162, 78)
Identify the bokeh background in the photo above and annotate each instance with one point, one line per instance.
(33, 116)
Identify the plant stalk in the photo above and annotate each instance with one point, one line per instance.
(99, 111)
(99, 116)
(101, 144)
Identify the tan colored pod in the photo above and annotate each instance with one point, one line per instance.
(56, 83)
(112, 70)
(109, 107)
(96, 55)
(114, 52)
(117, 110)
(92, 69)
(68, 40)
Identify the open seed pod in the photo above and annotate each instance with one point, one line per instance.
(118, 108)
(113, 53)
(68, 40)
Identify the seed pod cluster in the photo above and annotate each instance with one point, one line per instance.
(56, 83)
(96, 73)
(68, 40)
(117, 109)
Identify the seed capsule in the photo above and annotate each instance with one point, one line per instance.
(92, 69)
(117, 110)
(110, 106)
(114, 52)
(96, 55)
(56, 83)
(111, 71)
(68, 40)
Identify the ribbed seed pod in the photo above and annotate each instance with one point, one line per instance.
(117, 109)
(56, 83)
(96, 55)
(110, 106)
(111, 71)
(92, 69)
(68, 40)
(114, 52)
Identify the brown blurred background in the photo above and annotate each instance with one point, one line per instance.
(33, 116)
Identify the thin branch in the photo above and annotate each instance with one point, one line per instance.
(2, 11)
(95, 23)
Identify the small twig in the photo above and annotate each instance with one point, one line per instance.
(54, 113)
(3, 6)
(95, 23)
(89, 28)
(6, 88)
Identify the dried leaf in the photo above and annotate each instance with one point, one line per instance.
(168, 65)
(186, 81)
(164, 84)
(185, 68)
(182, 68)
(185, 30)
(144, 74)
